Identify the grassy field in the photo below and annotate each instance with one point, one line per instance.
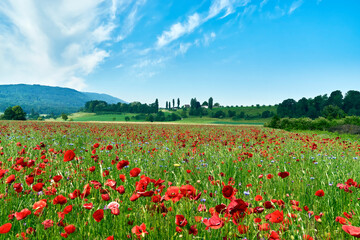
(141, 181)
(84, 117)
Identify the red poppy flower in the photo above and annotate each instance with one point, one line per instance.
(98, 215)
(269, 176)
(96, 145)
(120, 165)
(283, 174)
(18, 188)
(38, 187)
(172, 193)
(64, 235)
(353, 231)
(22, 214)
(5, 228)
(69, 155)
(268, 205)
(275, 217)
(60, 199)
(228, 192)
(47, 223)
(139, 230)
(319, 193)
(180, 220)
(193, 230)
(40, 204)
(122, 177)
(188, 191)
(88, 205)
(214, 222)
(135, 172)
(68, 209)
(257, 220)
(10, 179)
(236, 205)
(274, 236)
(110, 238)
(69, 229)
(29, 180)
(115, 211)
(258, 198)
(105, 197)
(111, 183)
(57, 178)
(109, 147)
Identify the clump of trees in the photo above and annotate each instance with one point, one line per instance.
(14, 113)
(335, 106)
(349, 124)
(97, 106)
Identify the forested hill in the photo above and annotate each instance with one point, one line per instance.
(45, 99)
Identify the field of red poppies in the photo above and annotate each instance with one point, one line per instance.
(114, 181)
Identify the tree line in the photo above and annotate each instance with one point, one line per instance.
(97, 106)
(335, 106)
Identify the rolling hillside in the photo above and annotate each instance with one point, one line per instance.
(46, 99)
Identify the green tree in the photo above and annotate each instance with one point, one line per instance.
(9, 114)
(333, 112)
(352, 102)
(64, 116)
(156, 105)
(231, 113)
(173, 103)
(210, 103)
(183, 113)
(302, 107)
(287, 108)
(336, 99)
(19, 113)
(14, 113)
(178, 102)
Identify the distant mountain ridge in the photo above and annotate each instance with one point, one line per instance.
(47, 99)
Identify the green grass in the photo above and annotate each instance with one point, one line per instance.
(89, 117)
(208, 120)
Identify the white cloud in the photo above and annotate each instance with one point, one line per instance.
(183, 48)
(179, 29)
(195, 20)
(295, 5)
(131, 19)
(227, 6)
(208, 38)
(59, 42)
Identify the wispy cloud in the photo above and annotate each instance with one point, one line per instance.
(263, 3)
(179, 29)
(195, 20)
(59, 43)
(295, 5)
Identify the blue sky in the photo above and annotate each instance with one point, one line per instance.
(240, 52)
